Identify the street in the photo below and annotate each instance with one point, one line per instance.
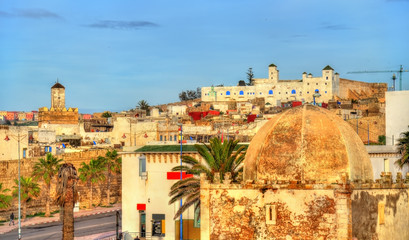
(84, 226)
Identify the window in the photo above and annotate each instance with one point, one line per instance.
(286, 92)
(326, 78)
(279, 92)
(308, 92)
(270, 92)
(241, 93)
(160, 138)
(142, 165)
(228, 93)
(260, 93)
(325, 91)
(316, 84)
(165, 138)
(174, 138)
(325, 83)
(196, 217)
(293, 91)
(308, 83)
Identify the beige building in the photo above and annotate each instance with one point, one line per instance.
(147, 177)
(306, 176)
(275, 91)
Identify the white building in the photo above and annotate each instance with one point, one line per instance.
(276, 91)
(397, 115)
(146, 181)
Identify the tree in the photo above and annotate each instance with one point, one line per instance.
(92, 173)
(46, 169)
(250, 76)
(218, 158)
(66, 197)
(144, 106)
(382, 139)
(106, 114)
(403, 147)
(113, 165)
(190, 94)
(5, 200)
(29, 191)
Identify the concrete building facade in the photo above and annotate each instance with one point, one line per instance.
(147, 177)
(397, 115)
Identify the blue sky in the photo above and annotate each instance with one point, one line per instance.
(111, 54)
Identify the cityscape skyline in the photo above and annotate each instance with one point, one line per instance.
(111, 55)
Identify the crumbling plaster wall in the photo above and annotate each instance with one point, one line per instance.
(366, 214)
(236, 213)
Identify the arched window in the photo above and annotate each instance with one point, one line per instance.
(241, 93)
(317, 91)
(293, 91)
(228, 93)
(270, 92)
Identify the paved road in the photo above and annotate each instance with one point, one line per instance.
(84, 226)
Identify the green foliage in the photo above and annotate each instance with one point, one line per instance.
(382, 139)
(93, 172)
(403, 147)
(29, 189)
(106, 114)
(218, 158)
(250, 77)
(5, 200)
(112, 161)
(46, 169)
(190, 94)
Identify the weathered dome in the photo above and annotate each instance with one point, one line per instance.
(307, 143)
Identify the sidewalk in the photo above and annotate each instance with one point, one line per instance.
(40, 220)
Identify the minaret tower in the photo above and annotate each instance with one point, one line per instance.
(58, 96)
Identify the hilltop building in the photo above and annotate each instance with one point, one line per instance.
(276, 91)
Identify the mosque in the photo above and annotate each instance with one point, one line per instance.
(306, 175)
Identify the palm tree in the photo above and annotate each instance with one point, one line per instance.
(217, 157)
(5, 200)
(29, 190)
(144, 106)
(113, 165)
(403, 147)
(46, 169)
(92, 173)
(66, 197)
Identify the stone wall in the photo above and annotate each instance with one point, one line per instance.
(350, 89)
(9, 172)
(305, 210)
(57, 117)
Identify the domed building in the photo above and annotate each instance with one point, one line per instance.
(306, 175)
(306, 143)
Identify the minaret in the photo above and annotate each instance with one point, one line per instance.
(58, 96)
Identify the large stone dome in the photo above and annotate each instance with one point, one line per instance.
(307, 143)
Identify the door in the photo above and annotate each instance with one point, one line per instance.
(142, 225)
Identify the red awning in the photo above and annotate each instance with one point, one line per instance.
(176, 175)
(141, 206)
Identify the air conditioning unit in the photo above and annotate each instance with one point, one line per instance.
(144, 175)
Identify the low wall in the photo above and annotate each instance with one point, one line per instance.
(9, 172)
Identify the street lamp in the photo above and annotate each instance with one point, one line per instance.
(19, 137)
(181, 174)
